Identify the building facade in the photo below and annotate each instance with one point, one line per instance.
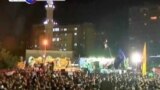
(77, 38)
(144, 26)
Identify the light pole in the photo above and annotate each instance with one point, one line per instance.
(45, 43)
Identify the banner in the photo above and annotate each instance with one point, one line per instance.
(144, 60)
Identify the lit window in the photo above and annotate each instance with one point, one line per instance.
(56, 29)
(58, 39)
(75, 28)
(53, 29)
(153, 17)
(75, 44)
(65, 29)
(55, 23)
(53, 39)
(75, 34)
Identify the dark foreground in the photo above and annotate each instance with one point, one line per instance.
(50, 80)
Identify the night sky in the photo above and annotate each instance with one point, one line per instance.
(110, 16)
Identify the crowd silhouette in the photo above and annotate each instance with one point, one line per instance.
(31, 79)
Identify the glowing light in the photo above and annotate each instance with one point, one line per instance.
(75, 28)
(75, 34)
(153, 17)
(45, 22)
(65, 29)
(58, 39)
(153, 69)
(45, 42)
(83, 62)
(75, 44)
(136, 58)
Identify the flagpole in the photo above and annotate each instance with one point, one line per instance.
(110, 53)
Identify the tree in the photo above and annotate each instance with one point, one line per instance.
(7, 60)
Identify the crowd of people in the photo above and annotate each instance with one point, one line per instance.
(30, 79)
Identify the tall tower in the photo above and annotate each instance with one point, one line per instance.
(49, 23)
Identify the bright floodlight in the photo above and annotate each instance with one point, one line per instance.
(136, 58)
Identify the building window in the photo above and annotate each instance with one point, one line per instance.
(56, 29)
(75, 44)
(153, 17)
(65, 29)
(58, 39)
(65, 34)
(75, 28)
(75, 34)
(53, 39)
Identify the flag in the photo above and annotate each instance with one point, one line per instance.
(119, 59)
(144, 60)
(126, 63)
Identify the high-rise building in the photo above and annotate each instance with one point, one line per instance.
(77, 38)
(144, 26)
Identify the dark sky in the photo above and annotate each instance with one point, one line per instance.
(110, 16)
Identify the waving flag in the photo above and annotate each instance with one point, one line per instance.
(144, 60)
(119, 59)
